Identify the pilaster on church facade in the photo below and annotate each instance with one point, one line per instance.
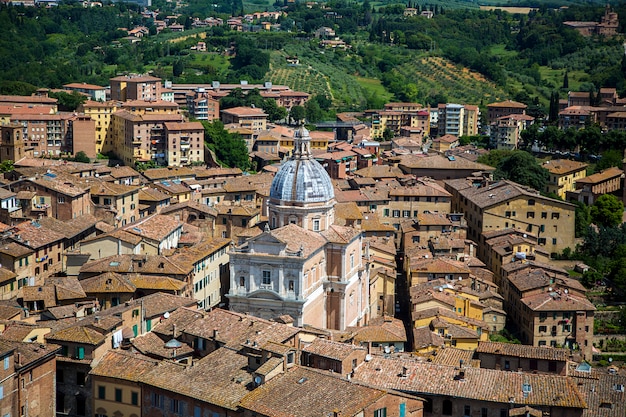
(304, 266)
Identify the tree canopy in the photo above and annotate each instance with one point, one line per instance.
(230, 149)
(607, 211)
(522, 168)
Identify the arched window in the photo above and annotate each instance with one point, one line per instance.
(242, 281)
(291, 285)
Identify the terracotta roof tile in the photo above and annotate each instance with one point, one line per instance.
(451, 356)
(77, 334)
(477, 384)
(109, 282)
(305, 392)
(152, 345)
(123, 365)
(235, 329)
(220, 378)
(524, 351)
(329, 349)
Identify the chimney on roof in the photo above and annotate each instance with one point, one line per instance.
(215, 333)
(174, 331)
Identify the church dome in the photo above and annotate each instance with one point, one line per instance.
(302, 179)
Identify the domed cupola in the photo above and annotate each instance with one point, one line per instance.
(302, 191)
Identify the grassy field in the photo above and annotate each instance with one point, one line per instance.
(374, 86)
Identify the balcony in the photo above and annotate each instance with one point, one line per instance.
(184, 144)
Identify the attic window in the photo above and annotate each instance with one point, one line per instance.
(161, 265)
(302, 380)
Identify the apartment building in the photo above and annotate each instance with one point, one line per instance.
(95, 92)
(457, 119)
(202, 106)
(185, 143)
(141, 138)
(135, 87)
(589, 188)
(577, 117)
(503, 246)
(101, 113)
(211, 272)
(507, 204)
(28, 378)
(46, 134)
(53, 194)
(117, 201)
(246, 117)
(564, 174)
(115, 381)
(504, 108)
(506, 130)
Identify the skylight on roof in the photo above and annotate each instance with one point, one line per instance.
(583, 367)
(113, 263)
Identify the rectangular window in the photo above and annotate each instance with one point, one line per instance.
(530, 215)
(466, 410)
(197, 411)
(543, 329)
(544, 215)
(555, 215)
(406, 213)
(118, 395)
(267, 278)
(554, 241)
(386, 212)
(7, 362)
(316, 225)
(102, 391)
(80, 378)
(483, 412)
(396, 213)
(531, 202)
(176, 406)
(381, 412)
(80, 352)
(134, 398)
(158, 401)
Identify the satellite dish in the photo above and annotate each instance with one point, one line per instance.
(257, 380)
(166, 315)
